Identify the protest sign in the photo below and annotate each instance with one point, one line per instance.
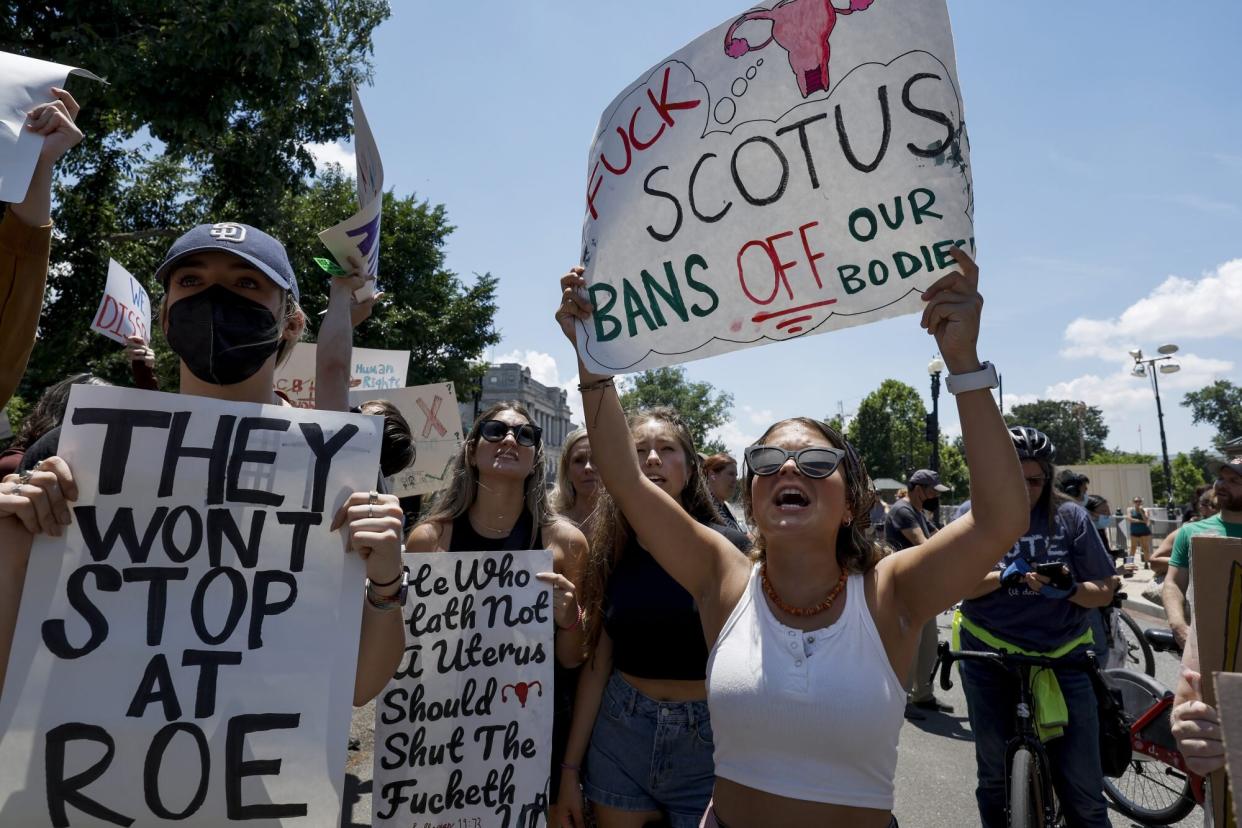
(24, 84)
(1229, 706)
(187, 650)
(1216, 577)
(798, 169)
(125, 309)
(373, 369)
(359, 235)
(463, 732)
(435, 423)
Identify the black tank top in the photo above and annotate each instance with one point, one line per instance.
(652, 621)
(465, 539)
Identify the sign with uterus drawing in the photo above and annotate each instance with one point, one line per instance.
(800, 168)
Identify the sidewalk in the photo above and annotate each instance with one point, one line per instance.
(1133, 587)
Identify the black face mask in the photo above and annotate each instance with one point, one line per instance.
(223, 337)
(932, 504)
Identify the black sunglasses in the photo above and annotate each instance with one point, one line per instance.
(493, 431)
(817, 462)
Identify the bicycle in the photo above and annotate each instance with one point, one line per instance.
(1127, 648)
(1031, 800)
(1157, 788)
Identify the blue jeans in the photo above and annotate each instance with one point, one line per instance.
(991, 698)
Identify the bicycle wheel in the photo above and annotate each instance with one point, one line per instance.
(1026, 791)
(1149, 792)
(1139, 655)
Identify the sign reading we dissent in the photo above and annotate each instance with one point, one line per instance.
(798, 169)
(186, 651)
(463, 732)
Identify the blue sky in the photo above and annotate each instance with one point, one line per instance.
(1107, 163)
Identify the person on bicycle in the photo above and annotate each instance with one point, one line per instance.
(1028, 605)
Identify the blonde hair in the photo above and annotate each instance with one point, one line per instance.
(564, 496)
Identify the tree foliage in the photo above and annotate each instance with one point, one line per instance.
(699, 404)
(1060, 420)
(888, 431)
(1219, 405)
(954, 473)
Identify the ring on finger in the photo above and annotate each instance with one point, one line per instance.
(370, 511)
(373, 497)
(24, 477)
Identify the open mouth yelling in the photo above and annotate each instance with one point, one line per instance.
(791, 499)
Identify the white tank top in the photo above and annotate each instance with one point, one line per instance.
(806, 715)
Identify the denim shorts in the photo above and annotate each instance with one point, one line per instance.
(649, 755)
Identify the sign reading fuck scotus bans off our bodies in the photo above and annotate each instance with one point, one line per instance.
(186, 651)
(802, 167)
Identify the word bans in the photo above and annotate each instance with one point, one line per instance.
(81, 740)
(661, 296)
(902, 264)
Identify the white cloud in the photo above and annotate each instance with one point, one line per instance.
(332, 153)
(1176, 309)
(543, 369)
(736, 437)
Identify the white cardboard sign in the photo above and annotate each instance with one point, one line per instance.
(374, 369)
(800, 168)
(463, 732)
(24, 84)
(435, 421)
(187, 650)
(125, 309)
(359, 235)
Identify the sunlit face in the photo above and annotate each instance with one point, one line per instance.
(581, 473)
(723, 482)
(1228, 488)
(661, 457)
(1035, 480)
(787, 501)
(506, 458)
(199, 271)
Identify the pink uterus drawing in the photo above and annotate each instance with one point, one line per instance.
(802, 28)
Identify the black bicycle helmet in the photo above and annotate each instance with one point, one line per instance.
(1032, 444)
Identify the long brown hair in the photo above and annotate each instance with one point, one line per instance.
(855, 552)
(456, 500)
(612, 531)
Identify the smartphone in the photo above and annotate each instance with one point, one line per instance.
(1050, 570)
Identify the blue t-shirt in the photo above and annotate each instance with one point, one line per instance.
(1028, 619)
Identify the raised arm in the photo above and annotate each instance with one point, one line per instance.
(946, 568)
(692, 554)
(335, 345)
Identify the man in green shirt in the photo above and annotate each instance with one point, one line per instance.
(1227, 522)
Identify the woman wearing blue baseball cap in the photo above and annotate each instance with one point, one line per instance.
(230, 312)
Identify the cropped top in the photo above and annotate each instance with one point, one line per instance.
(653, 622)
(811, 715)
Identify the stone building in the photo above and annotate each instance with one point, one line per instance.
(548, 406)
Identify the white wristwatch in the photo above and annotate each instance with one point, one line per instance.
(985, 377)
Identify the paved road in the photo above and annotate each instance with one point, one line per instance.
(936, 761)
(935, 767)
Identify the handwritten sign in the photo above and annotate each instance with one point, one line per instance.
(1229, 706)
(24, 84)
(463, 732)
(374, 369)
(125, 309)
(187, 650)
(435, 422)
(359, 235)
(798, 169)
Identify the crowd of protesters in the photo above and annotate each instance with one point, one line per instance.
(712, 667)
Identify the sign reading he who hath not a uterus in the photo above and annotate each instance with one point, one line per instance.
(186, 652)
(800, 168)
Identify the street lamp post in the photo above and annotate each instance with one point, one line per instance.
(933, 420)
(1141, 368)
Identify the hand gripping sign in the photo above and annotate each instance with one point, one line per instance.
(24, 84)
(802, 167)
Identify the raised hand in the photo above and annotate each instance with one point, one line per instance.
(137, 350)
(573, 306)
(55, 122)
(954, 306)
(372, 524)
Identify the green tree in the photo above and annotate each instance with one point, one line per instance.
(1219, 405)
(954, 473)
(699, 404)
(1061, 421)
(229, 92)
(1186, 477)
(889, 431)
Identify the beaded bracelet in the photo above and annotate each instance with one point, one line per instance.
(567, 766)
(576, 624)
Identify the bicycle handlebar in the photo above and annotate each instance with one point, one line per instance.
(945, 656)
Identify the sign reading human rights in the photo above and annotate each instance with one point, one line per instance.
(463, 732)
(802, 167)
(186, 651)
(373, 370)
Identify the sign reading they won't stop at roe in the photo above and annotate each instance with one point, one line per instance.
(186, 651)
(802, 167)
(463, 732)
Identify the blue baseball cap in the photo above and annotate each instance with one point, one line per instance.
(251, 244)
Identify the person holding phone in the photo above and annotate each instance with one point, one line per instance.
(1040, 600)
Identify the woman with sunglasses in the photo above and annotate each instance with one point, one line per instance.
(811, 645)
(641, 743)
(496, 502)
